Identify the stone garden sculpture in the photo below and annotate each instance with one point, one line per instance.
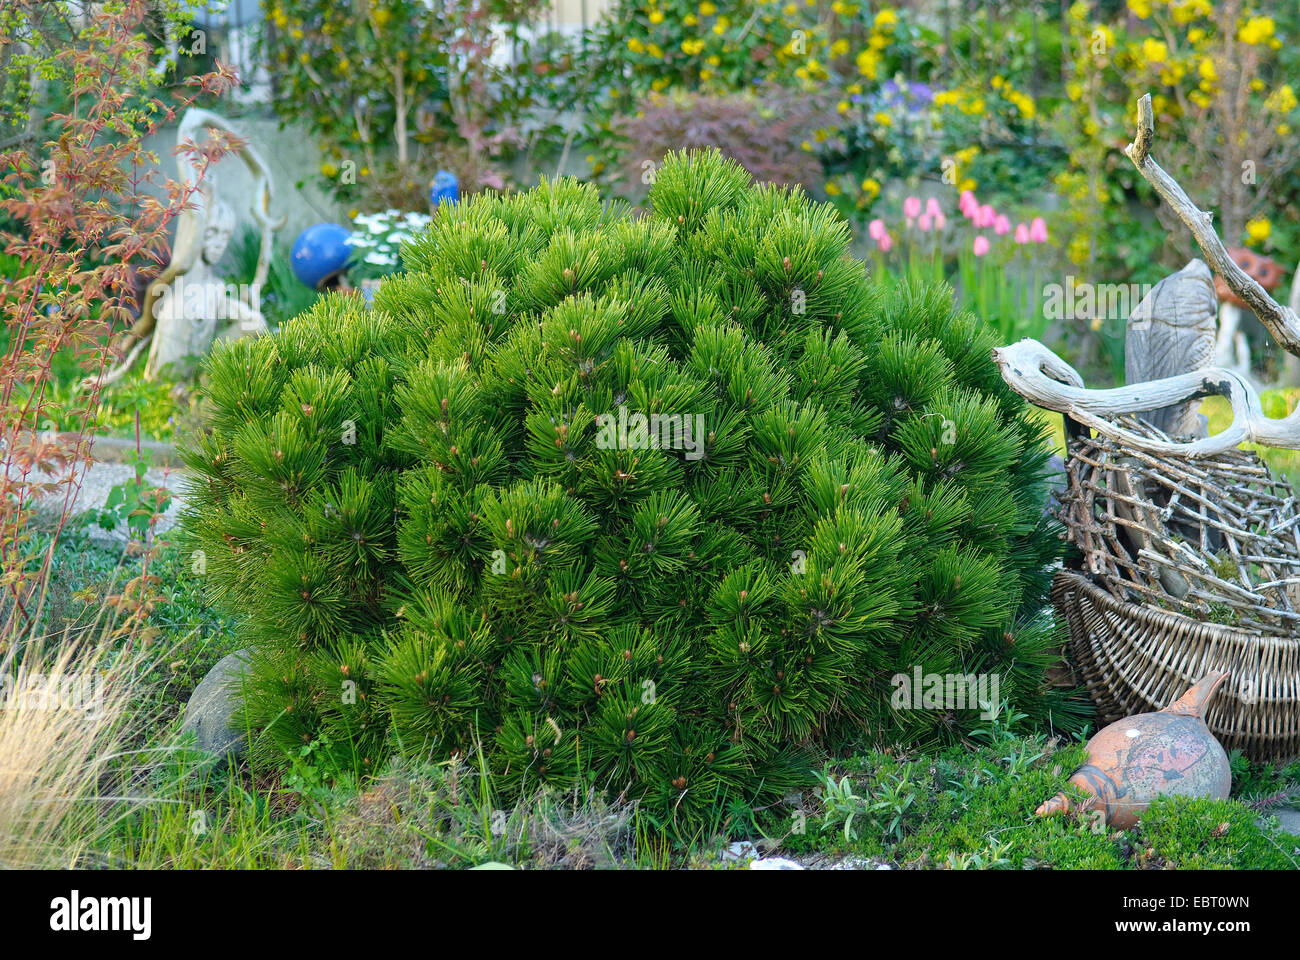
(1171, 332)
(189, 306)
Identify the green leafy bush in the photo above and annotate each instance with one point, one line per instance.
(440, 536)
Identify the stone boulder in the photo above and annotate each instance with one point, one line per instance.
(212, 706)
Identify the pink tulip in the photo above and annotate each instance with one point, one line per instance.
(1038, 230)
(924, 222)
(884, 243)
(876, 229)
(981, 245)
(933, 209)
(940, 221)
(1001, 226)
(967, 201)
(986, 216)
(912, 207)
(1022, 233)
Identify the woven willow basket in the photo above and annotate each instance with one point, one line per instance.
(1135, 658)
(1188, 566)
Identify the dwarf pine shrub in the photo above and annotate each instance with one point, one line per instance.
(659, 503)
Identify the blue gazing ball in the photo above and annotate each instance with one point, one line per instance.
(320, 253)
(443, 188)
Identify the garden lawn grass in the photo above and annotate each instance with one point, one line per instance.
(970, 808)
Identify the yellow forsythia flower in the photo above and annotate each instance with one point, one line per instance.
(708, 9)
(635, 45)
(884, 119)
(1281, 100)
(1141, 8)
(1258, 230)
(832, 189)
(871, 186)
(886, 19)
(1154, 50)
(1257, 30)
(656, 16)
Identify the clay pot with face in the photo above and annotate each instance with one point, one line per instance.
(1135, 760)
(1267, 273)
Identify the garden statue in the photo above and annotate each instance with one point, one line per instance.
(1135, 760)
(1171, 332)
(189, 306)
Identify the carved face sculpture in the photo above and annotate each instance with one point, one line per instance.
(1267, 273)
(217, 231)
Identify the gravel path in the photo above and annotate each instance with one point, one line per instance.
(99, 480)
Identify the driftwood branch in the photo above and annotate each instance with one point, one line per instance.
(1280, 321)
(1043, 378)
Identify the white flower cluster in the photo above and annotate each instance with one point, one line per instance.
(381, 235)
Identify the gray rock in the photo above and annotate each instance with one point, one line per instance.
(212, 705)
(1289, 819)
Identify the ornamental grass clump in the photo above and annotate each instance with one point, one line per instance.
(660, 504)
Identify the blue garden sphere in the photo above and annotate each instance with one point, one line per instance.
(444, 188)
(320, 253)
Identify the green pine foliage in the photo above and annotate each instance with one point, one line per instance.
(441, 537)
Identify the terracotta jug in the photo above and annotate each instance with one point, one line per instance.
(1135, 760)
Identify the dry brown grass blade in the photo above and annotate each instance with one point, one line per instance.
(65, 710)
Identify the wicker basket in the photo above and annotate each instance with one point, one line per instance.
(1188, 567)
(1135, 658)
